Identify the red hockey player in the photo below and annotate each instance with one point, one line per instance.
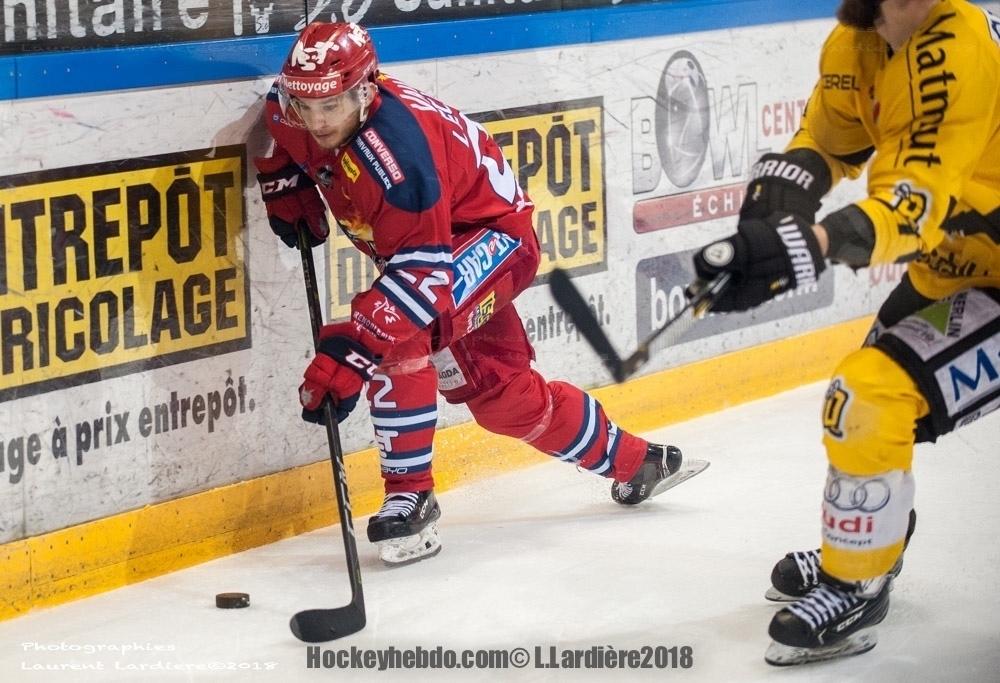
(426, 193)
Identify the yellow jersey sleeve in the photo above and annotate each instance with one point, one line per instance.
(834, 124)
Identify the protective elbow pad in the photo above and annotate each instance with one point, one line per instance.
(851, 236)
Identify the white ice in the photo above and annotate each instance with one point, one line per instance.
(543, 557)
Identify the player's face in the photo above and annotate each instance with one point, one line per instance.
(860, 14)
(330, 120)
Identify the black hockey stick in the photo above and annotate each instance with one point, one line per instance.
(569, 298)
(321, 625)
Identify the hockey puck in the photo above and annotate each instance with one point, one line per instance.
(232, 600)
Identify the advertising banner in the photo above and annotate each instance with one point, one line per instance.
(154, 331)
(114, 267)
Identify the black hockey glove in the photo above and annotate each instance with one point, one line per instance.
(765, 257)
(794, 181)
(292, 202)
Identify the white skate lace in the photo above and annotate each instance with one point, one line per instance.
(808, 564)
(823, 605)
(398, 504)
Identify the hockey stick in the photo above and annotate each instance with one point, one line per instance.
(321, 625)
(569, 298)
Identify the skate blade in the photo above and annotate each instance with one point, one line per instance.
(689, 468)
(396, 552)
(786, 655)
(774, 595)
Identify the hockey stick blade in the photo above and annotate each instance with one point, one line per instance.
(569, 298)
(322, 625)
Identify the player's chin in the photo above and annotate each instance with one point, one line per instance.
(859, 14)
(331, 140)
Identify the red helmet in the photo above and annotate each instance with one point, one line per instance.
(328, 59)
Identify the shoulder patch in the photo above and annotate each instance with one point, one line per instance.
(394, 150)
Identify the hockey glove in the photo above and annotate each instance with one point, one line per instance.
(292, 201)
(793, 182)
(340, 369)
(765, 257)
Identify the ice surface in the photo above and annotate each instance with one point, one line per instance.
(542, 557)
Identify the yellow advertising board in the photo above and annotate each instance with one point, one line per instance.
(111, 268)
(557, 153)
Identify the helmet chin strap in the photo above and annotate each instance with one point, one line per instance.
(367, 97)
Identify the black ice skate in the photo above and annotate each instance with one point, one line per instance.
(405, 528)
(662, 469)
(797, 573)
(831, 621)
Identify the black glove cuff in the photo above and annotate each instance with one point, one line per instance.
(794, 181)
(351, 354)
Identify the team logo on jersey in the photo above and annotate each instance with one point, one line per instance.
(351, 169)
(910, 208)
(357, 230)
(483, 312)
(838, 398)
(389, 313)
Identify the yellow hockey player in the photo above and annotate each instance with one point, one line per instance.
(910, 89)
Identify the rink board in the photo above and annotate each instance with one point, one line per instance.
(121, 549)
(151, 349)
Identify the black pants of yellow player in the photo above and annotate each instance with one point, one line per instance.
(936, 369)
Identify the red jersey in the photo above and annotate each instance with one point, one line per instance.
(416, 174)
